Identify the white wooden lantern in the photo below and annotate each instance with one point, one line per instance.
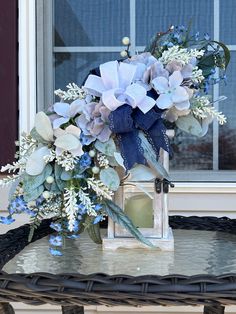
(149, 213)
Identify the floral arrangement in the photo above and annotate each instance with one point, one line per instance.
(111, 130)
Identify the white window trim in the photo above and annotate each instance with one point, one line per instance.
(28, 95)
(27, 65)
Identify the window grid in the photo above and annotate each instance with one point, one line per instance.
(134, 49)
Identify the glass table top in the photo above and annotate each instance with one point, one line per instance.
(196, 252)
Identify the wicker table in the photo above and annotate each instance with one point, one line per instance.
(72, 291)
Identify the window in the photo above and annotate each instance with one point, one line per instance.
(75, 36)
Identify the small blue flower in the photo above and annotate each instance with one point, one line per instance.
(55, 252)
(6, 220)
(55, 240)
(206, 36)
(197, 36)
(86, 139)
(170, 44)
(76, 226)
(98, 207)
(56, 226)
(85, 160)
(181, 28)
(17, 205)
(97, 219)
(81, 209)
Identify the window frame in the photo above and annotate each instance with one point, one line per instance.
(29, 98)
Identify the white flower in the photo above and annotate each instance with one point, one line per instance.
(116, 87)
(66, 111)
(68, 140)
(170, 92)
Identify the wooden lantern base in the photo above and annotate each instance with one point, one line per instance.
(164, 244)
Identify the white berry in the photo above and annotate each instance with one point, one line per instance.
(125, 41)
(50, 179)
(46, 194)
(92, 153)
(123, 53)
(95, 170)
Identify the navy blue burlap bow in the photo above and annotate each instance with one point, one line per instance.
(126, 122)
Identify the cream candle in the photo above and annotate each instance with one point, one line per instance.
(139, 208)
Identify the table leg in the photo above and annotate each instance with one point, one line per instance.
(217, 309)
(6, 308)
(72, 310)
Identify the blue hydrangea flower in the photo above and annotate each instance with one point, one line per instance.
(17, 205)
(85, 160)
(86, 139)
(56, 226)
(55, 252)
(55, 240)
(6, 220)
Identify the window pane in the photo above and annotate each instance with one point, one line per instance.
(191, 152)
(155, 16)
(74, 67)
(228, 21)
(227, 144)
(91, 22)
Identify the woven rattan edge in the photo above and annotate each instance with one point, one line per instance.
(102, 289)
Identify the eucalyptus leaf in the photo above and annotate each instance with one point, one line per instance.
(43, 126)
(66, 175)
(33, 194)
(190, 125)
(36, 163)
(37, 137)
(112, 161)
(58, 171)
(52, 187)
(142, 173)
(107, 148)
(110, 178)
(67, 142)
(33, 182)
(12, 189)
(118, 216)
(119, 159)
(151, 158)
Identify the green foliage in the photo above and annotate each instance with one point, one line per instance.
(142, 173)
(110, 178)
(66, 175)
(94, 233)
(35, 224)
(151, 157)
(33, 194)
(118, 216)
(37, 137)
(57, 172)
(108, 148)
(190, 125)
(30, 183)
